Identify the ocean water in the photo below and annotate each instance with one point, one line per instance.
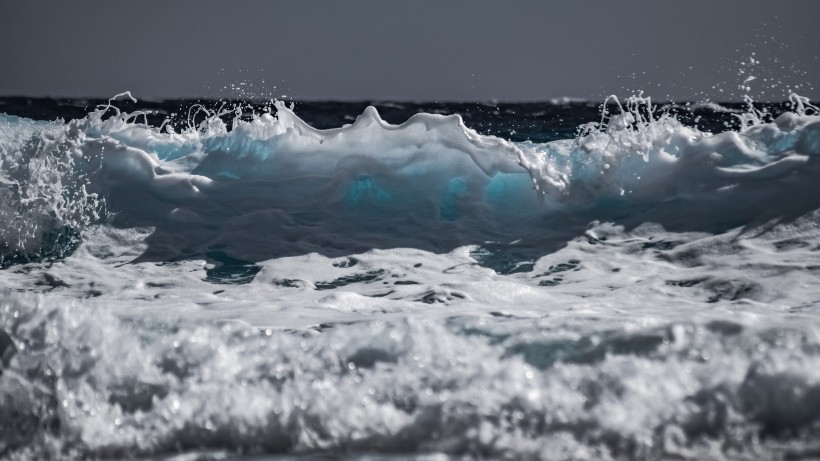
(564, 280)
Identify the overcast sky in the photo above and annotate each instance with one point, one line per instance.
(410, 50)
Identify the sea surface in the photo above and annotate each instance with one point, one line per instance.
(566, 280)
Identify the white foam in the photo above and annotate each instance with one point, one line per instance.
(384, 288)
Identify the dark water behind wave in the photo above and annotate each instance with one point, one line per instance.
(538, 122)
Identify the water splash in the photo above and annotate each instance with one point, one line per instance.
(231, 168)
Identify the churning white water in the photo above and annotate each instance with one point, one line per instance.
(643, 291)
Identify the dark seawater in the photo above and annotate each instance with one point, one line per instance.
(537, 121)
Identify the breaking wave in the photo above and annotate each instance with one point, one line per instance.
(284, 186)
(248, 284)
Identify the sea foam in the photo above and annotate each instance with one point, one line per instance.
(255, 286)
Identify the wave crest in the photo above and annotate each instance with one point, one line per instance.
(273, 177)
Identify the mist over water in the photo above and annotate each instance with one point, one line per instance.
(552, 281)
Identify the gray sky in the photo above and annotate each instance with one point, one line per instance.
(419, 50)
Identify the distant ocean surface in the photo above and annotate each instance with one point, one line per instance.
(566, 280)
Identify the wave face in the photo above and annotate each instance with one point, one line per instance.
(249, 284)
(273, 186)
